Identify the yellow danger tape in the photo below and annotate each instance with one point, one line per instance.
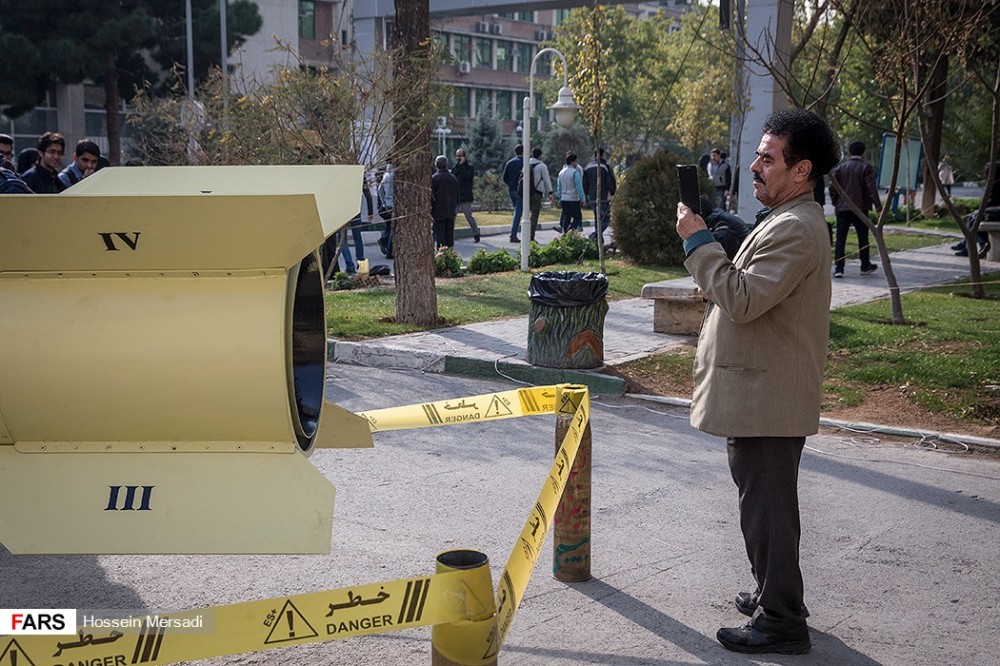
(441, 598)
(524, 556)
(489, 406)
(170, 637)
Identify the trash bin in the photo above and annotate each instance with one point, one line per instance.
(566, 320)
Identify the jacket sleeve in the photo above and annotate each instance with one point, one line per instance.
(871, 189)
(578, 181)
(781, 258)
(546, 179)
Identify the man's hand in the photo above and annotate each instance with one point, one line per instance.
(688, 221)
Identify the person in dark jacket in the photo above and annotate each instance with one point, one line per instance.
(11, 183)
(727, 228)
(608, 188)
(26, 158)
(7, 151)
(465, 173)
(511, 175)
(857, 178)
(43, 178)
(444, 203)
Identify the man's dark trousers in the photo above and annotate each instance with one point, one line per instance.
(766, 472)
(845, 220)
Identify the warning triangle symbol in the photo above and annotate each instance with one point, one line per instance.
(290, 625)
(497, 409)
(13, 655)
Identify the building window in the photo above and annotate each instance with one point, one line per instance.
(522, 59)
(504, 108)
(484, 99)
(505, 56)
(525, 16)
(561, 15)
(307, 20)
(543, 66)
(484, 53)
(461, 104)
(461, 46)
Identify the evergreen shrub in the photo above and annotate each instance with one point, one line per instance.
(490, 192)
(644, 211)
(483, 262)
(448, 263)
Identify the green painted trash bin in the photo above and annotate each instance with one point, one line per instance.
(566, 320)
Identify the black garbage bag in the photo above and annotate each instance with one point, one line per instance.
(566, 289)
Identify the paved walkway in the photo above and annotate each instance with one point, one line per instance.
(498, 347)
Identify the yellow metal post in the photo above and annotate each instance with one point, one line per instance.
(571, 523)
(469, 642)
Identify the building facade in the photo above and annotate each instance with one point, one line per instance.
(491, 60)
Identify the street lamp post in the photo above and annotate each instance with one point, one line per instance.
(442, 132)
(565, 109)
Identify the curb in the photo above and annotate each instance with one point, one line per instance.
(383, 356)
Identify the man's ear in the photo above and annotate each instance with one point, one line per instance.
(801, 170)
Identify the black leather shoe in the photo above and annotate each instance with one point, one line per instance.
(475, 238)
(984, 249)
(749, 640)
(515, 239)
(746, 603)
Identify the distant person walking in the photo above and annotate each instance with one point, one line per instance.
(542, 187)
(511, 174)
(721, 175)
(569, 192)
(946, 174)
(465, 173)
(444, 203)
(600, 171)
(385, 203)
(857, 178)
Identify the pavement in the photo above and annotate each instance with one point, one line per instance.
(898, 545)
(497, 348)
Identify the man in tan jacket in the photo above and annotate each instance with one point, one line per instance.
(759, 368)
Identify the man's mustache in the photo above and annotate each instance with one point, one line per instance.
(758, 179)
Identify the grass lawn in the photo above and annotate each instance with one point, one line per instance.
(946, 358)
(367, 313)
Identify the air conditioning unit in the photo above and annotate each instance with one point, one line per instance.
(496, 28)
(541, 36)
(464, 67)
(482, 26)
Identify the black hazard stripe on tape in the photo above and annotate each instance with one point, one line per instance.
(433, 416)
(413, 600)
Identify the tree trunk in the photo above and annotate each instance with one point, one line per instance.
(112, 102)
(413, 245)
(935, 101)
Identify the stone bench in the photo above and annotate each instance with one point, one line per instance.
(677, 307)
(992, 229)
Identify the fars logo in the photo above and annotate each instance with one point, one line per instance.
(23, 621)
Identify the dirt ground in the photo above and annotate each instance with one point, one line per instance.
(884, 406)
